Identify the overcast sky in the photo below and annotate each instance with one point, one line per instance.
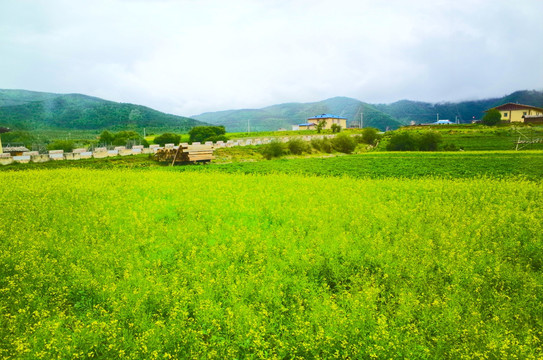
(191, 56)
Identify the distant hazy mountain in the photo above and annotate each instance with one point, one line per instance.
(21, 109)
(286, 115)
(379, 115)
(420, 112)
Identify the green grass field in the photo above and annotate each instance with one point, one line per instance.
(382, 259)
(451, 165)
(497, 164)
(483, 138)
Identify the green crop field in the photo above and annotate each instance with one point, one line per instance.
(450, 165)
(158, 263)
(495, 164)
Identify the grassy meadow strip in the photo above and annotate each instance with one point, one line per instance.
(450, 165)
(499, 164)
(161, 264)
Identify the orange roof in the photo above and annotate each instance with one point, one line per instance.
(513, 106)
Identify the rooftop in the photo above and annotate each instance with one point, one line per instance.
(14, 148)
(326, 116)
(513, 106)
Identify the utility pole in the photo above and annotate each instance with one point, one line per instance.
(248, 126)
(362, 118)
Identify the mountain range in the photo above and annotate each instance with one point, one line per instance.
(31, 110)
(381, 116)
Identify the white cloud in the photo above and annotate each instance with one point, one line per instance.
(188, 57)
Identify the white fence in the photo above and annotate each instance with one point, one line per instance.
(100, 153)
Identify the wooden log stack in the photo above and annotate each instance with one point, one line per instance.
(186, 153)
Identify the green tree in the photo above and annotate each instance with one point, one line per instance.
(167, 138)
(204, 133)
(320, 126)
(66, 145)
(21, 137)
(106, 138)
(123, 138)
(492, 117)
(335, 128)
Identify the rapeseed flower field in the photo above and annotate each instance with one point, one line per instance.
(162, 264)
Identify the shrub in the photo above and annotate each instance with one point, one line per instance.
(298, 146)
(344, 143)
(217, 138)
(450, 147)
(323, 145)
(370, 136)
(409, 141)
(327, 145)
(402, 141)
(271, 150)
(316, 144)
(167, 138)
(429, 141)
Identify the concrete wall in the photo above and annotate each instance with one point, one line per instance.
(22, 159)
(56, 156)
(6, 160)
(40, 158)
(100, 153)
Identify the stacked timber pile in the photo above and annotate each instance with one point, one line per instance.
(186, 153)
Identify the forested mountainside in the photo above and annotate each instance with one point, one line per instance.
(28, 110)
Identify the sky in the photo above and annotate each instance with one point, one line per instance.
(187, 57)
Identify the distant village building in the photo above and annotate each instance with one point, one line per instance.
(439, 122)
(15, 150)
(520, 113)
(443, 122)
(328, 120)
(306, 126)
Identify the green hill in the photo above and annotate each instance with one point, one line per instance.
(381, 116)
(285, 115)
(29, 110)
(420, 112)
